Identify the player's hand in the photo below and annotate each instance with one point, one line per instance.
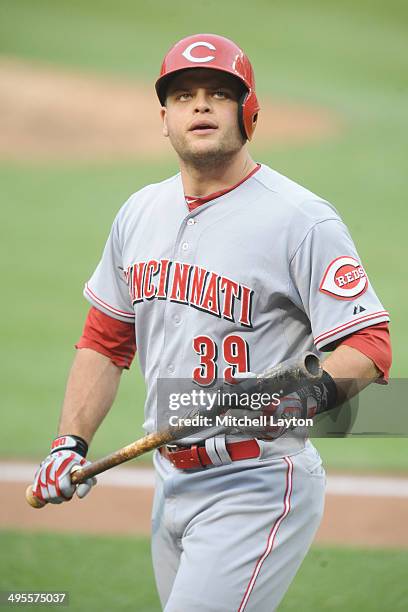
(276, 417)
(52, 481)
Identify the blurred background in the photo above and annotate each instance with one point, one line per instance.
(79, 132)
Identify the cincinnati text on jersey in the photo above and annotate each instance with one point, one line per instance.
(192, 285)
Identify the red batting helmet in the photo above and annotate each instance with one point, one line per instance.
(218, 53)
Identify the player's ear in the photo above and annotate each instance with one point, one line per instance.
(163, 115)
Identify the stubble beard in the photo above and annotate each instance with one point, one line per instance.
(211, 157)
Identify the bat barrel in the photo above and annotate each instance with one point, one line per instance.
(289, 375)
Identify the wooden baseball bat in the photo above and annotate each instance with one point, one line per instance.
(283, 378)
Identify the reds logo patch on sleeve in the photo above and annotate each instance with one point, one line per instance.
(344, 279)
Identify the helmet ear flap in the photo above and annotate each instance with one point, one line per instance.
(248, 113)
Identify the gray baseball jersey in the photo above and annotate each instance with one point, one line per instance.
(247, 280)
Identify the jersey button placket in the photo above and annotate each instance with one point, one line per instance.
(183, 251)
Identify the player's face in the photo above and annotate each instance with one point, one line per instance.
(201, 116)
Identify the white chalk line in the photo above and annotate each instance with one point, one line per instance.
(119, 477)
(362, 486)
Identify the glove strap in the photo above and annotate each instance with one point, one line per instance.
(70, 442)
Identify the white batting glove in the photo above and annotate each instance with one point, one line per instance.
(52, 482)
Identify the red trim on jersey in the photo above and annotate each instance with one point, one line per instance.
(194, 203)
(107, 306)
(336, 330)
(375, 343)
(110, 337)
(272, 534)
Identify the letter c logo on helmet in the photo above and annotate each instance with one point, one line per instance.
(193, 58)
(188, 54)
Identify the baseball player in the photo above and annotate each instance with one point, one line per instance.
(224, 269)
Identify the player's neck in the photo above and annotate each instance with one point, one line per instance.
(202, 182)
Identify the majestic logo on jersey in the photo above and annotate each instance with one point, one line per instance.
(191, 285)
(358, 309)
(193, 58)
(344, 279)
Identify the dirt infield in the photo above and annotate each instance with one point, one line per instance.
(49, 114)
(375, 518)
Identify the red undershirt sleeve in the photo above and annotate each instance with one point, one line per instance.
(374, 342)
(110, 337)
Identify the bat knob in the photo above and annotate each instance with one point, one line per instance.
(35, 502)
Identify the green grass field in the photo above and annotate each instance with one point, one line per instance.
(350, 57)
(115, 573)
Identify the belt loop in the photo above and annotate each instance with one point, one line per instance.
(221, 449)
(211, 452)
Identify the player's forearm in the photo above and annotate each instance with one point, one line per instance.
(91, 389)
(352, 371)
